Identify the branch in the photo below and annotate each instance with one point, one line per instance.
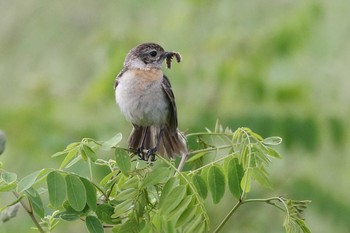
(269, 201)
(30, 212)
(209, 149)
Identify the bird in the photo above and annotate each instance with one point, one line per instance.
(145, 97)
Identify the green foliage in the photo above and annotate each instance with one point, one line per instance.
(93, 224)
(216, 183)
(234, 176)
(76, 192)
(294, 221)
(278, 67)
(137, 196)
(57, 188)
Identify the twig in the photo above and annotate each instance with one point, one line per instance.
(269, 201)
(210, 149)
(30, 212)
(211, 163)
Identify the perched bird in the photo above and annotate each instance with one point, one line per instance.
(145, 97)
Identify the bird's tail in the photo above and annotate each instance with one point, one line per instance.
(170, 143)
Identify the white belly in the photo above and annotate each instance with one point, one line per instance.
(141, 104)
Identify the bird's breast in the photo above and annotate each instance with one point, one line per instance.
(141, 99)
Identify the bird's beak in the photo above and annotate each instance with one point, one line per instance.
(165, 55)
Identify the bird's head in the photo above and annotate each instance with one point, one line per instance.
(149, 55)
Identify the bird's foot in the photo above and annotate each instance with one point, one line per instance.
(140, 153)
(147, 156)
(150, 155)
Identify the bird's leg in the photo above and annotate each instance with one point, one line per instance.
(140, 152)
(151, 151)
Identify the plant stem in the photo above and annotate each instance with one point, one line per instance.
(241, 202)
(228, 216)
(210, 164)
(30, 212)
(210, 149)
(90, 168)
(208, 133)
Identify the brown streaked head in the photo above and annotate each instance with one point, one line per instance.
(149, 55)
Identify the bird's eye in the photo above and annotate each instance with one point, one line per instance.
(153, 53)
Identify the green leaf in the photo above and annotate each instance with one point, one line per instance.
(69, 148)
(187, 215)
(108, 177)
(197, 156)
(155, 176)
(122, 208)
(76, 192)
(57, 188)
(253, 134)
(126, 194)
(8, 177)
(27, 181)
(81, 155)
(246, 181)
(11, 204)
(204, 173)
(91, 198)
(216, 183)
(261, 177)
(89, 153)
(176, 213)
(94, 225)
(111, 143)
(36, 202)
(68, 216)
(104, 213)
(132, 182)
(71, 154)
(194, 224)
(73, 145)
(234, 176)
(272, 141)
(59, 154)
(123, 161)
(75, 160)
(129, 226)
(200, 185)
(262, 152)
(168, 187)
(167, 226)
(173, 199)
(202, 228)
(294, 221)
(7, 187)
(274, 153)
(71, 214)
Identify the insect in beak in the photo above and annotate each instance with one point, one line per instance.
(169, 58)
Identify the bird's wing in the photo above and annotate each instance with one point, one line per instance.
(173, 112)
(118, 76)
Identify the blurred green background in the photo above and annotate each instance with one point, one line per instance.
(280, 67)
